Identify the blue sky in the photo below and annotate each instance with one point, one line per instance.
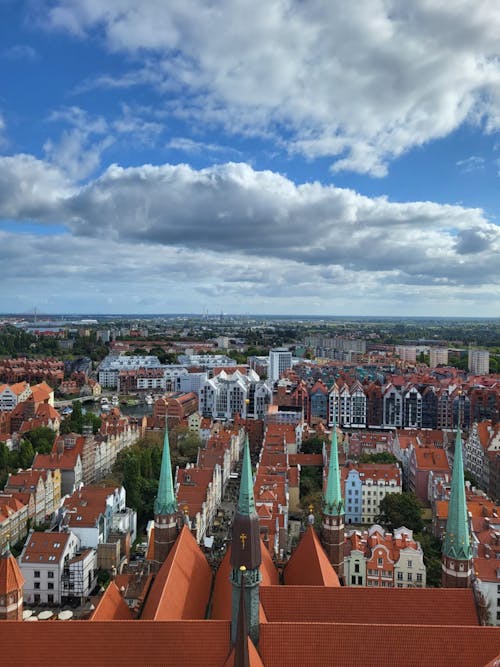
(278, 157)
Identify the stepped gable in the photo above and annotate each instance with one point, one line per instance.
(182, 586)
(351, 645)
(221, 598)
(111, 606)
(309, 564)
(391, 606)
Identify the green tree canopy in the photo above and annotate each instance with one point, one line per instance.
(379, 457)
(42, 438)
(401, 509)
(313, 445)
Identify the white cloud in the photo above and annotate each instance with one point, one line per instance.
(20, 52)
(253, 222)
(361, 82)
(470, 164)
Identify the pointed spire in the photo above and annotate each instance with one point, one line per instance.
(246, 503)
(457, 539)
(165, 502)
(333, 496)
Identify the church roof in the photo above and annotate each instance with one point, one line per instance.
(111, 606)
(246, 504)
(393, 606)
(182, 586)
(351, 645)
(333, 494)
(11, 578)
(309, 564)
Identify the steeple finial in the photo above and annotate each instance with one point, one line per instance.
(246, 502)
(165, 502)
(457, 540)
(333, 503)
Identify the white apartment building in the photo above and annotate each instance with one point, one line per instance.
(111, 366)
(407, 353)
(479, 362)
(437, 356)
(280, 360)
(226, 395)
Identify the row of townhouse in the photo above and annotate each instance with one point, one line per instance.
(365, 486)
(399, 403)
(199, 488)
(45, 487)
(482, 456)
(381, 559)
(22, 369)
(276, 480)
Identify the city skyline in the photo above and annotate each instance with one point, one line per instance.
(251, 157)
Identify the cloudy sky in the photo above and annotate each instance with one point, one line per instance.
(254, 156)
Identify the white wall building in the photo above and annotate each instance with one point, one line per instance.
(479, 362)
(280, 360)
(111, 366)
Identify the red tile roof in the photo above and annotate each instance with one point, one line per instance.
(124, 643)
(44, 547)
(11, 578)
(181, 588)
(326, 644)
(111, 606)
(416, 606)
(309, 564)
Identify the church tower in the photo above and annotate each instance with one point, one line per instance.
(332, 529)
(457, 550)
(165, 510)
(245, 553)
(11, 588)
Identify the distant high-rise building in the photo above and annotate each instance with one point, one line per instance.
(437, 356)
(280, 360)
(407, 353)
(479, 362)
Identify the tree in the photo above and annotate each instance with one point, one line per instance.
(401, 509)
(42, 439)
(26, 454)
(313, 445)
(379, 457)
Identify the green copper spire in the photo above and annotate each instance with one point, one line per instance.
(246, 503)
(457, 540)
(333, 504)
(165, 502)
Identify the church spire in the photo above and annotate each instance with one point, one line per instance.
(245, 553)
(165, 502)
(457, 550)
(166, 526)
(333, 496)
(246, 503)
(332, 527)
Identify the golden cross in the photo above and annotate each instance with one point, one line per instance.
(243, 538)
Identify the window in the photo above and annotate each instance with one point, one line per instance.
(360, 581)
(50, 586)
(419, 576)
(50, 574)
(380, 562)
(50, 599)
(356, 567)
(36, 574)
(37, 585)
(409, 563)
(37, 598)
(353, 580)
(400, 576)
(410, 576)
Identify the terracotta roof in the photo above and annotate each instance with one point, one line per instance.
(124, 643)
(309, 564)
(416, 606)
(253, 655)
(66, 461)
(44, 547)
(111, 606)
(182, 586)
(306, 459)
(324, 644)
(431, 458)
(11, 578)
